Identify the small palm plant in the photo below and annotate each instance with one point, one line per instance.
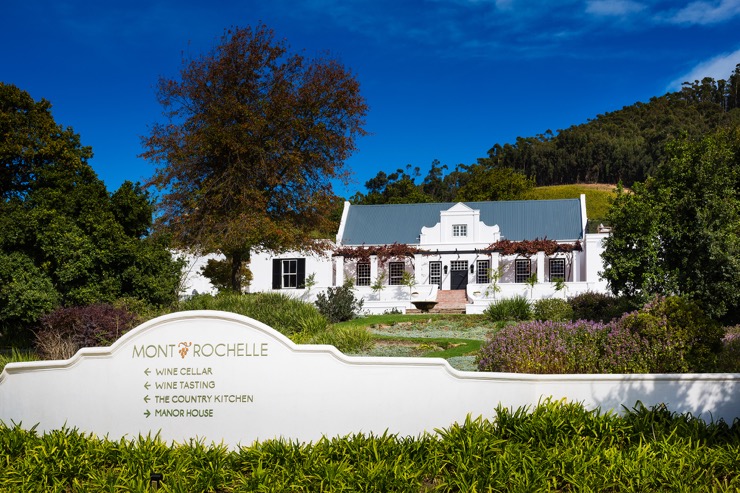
(378, 285)
(561, 286)
(495, 276)
(531, 281)
(409, 281)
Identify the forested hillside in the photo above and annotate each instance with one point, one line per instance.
(624, 145)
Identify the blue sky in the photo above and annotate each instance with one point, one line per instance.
(444, 79)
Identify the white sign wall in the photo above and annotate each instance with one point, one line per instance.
(226, 378)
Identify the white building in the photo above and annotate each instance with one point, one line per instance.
(456, 250)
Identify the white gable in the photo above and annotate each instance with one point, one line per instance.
(459, 226)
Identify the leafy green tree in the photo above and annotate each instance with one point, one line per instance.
(492, 183)
(133, 209)
(679, 233)
(64, 240)
(255, 137)
(397, 188)
(625, 145)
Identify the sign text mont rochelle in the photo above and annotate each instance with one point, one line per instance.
(196, 350)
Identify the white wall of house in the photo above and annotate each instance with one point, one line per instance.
(594, 248)
(192, 280)
(320, 265)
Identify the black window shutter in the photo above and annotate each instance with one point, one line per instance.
(301, 273)
(276, 274)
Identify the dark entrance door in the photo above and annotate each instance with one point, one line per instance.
(459, 274)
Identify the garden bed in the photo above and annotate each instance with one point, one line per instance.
(456, 338)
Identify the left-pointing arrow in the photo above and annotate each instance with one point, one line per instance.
(147, 372)
(147, 385)
(146, 398)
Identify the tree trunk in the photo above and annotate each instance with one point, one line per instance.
(236, 272)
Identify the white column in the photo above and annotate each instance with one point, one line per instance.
(540, 266)
(339, 265)
(421, 269)
(576, 260)
(494, 262)
(373, 268)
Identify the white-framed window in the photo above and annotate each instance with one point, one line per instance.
(557, 269)
(395, 273)
(481, 275)
(522, 270)
(363, 274)
(290, 273)
(459, 230)
(435, 273)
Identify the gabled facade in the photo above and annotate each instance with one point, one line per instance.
(449, 249)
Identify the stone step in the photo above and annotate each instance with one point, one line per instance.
(448, 301)
(414, 311)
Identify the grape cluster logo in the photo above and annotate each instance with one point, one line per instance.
(184, 348)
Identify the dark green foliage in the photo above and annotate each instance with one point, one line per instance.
(599, 307)
(485, 181)
(626, 145)
(64, 239)
(220, 273)
(554, 446)
(681, 337)
(517, 308)
(281, 312)
(555, 309)
(679, 233)
(133, 209)
(26, 293)
(339, 304)
(476, 182)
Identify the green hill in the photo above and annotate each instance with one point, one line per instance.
(598, 196)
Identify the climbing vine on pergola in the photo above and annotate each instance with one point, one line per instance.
(528, 248)
(383, 252)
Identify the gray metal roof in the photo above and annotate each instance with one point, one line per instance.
(518, 220)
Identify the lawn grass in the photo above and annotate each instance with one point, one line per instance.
(454, 337)
(598, 196)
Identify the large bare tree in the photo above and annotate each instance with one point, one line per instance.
(255, 136)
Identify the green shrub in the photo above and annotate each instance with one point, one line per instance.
(599, 307)
(554, 446)
(281, 312)
(555, 309)
(16, 356)
(346, 339)
(517, 308)
(66, 330)
(339, 304)
(681, 336)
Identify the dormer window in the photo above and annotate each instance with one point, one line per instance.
(459, 230)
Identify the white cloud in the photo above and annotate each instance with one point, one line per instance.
(613, 7)
(719, 67)
(703, 12)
